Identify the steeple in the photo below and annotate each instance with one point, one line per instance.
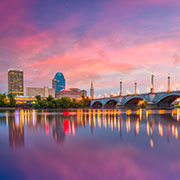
(92, 91)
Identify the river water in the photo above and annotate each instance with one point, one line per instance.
(90, 145)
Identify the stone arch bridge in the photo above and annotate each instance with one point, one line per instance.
(154, 100)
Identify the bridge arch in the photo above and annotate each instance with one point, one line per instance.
(167, 100)
(133, 101)
(110, 104)
(97, 104)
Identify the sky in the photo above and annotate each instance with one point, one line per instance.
(99, 41)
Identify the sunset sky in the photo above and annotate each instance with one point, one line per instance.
(100, 41)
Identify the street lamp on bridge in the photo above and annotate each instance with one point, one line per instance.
(135, 90)
(169, 83)
(120, 88)
(152, 83)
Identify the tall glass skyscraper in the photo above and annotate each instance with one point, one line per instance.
(59, 83)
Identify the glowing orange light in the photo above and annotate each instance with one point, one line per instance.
(112, 125)
(94, 118)
(99, 118)
(137, 127)
(137, 112)
(177, 114)
(160, 127)
(128, 124)
(173, 132)
(82, 122)
(73, 128)
(89, 117)
(161, 111)
(78, 120)
(148, 128)
(151, 143)
(128, 112)
(119, 126)
(176, 133)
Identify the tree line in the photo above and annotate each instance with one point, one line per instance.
(7, 100)
(64, 102)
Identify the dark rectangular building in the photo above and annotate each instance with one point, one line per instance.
(15, 82)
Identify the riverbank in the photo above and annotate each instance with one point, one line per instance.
(8, 108)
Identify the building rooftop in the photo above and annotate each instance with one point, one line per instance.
(59, 75)
(13, 69)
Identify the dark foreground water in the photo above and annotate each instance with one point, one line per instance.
(89, 145)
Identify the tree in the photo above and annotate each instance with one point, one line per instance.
(12, 101)
(38, 102)
(3, 100)
(85, 101)
(143, 104)
(75, 104)
(64, 102)
(50, 102)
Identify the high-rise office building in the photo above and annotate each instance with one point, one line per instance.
(15, 82)
(59, 83)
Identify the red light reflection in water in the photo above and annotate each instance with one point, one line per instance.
(47, 128)
(67, 128)
(65, 113)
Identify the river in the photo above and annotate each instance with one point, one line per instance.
(108, 144)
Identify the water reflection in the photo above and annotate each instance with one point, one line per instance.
(62, 124)
(16, 131)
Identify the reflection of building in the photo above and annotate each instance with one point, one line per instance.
(59, 83)
(58, 131)
(16, 132)
(43, 92)
(71, 93)
(15, 82)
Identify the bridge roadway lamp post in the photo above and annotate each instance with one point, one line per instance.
(169, 89)
(120, 88)
(135, 90)
(152, 83)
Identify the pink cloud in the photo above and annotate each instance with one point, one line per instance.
(104, 53)
(93, 60)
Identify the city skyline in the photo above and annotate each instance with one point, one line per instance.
(100, 42)
(121, 91)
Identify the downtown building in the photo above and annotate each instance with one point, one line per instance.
(58, 82)
(16, 82)
(43, 92)
(72, 93)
